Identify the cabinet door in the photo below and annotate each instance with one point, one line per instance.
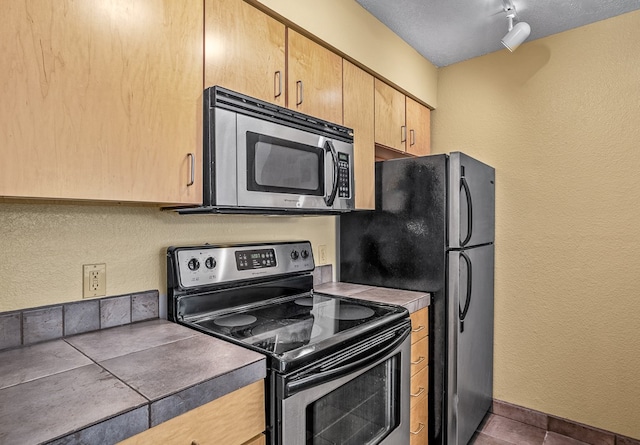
(419, 126)
(101, 101)
(244, 50)
(314, 78)
(390, 117)
(358, 115)
(235, 418)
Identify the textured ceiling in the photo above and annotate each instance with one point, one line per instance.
(449, 31)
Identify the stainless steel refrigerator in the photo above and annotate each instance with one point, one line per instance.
(433, 230)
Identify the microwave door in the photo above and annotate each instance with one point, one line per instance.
(280, 167)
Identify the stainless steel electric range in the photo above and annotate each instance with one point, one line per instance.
(338, 368)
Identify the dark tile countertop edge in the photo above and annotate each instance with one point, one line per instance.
(152, 390)
(412, 300)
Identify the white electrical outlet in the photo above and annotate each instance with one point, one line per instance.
(94, 283)
(322, 254)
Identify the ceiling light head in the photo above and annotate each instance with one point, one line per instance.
(517, 34)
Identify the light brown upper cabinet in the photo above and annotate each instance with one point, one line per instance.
(359, 115)
(314, 78)
(401, 123)
(419, 125)
(101, 100)
(244, 50)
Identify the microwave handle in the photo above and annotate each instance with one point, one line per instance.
(328, 200)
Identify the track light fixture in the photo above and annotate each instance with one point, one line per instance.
(518, 33)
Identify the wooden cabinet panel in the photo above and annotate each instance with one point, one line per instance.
(314, 78)
(419, 126)
(231, 419)
(390, 111)
(419, 423)
(419, 324)
(419, 385)
(244, 50)
(358, 115)
(260, 440)
(419, 355)
(101, 101)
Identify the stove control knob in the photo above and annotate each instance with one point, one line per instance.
(304, 254)
(193, 264)
(294, 255)
(210, 262)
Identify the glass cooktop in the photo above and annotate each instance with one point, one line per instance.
(298, 321)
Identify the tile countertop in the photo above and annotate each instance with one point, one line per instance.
(413, 301)
(105, 386)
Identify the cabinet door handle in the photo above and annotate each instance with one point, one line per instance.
(192, 167)
(412, 137)
(277, 83)
(418, 329)
(417, 362)
(419, 393)
(415, 433)
(299, 92)
(403, 133)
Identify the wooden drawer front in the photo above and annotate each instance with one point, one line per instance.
(419, 355)
(232, 419)
(419, 422)
(419, 386)
(419, 324)
(259, 440)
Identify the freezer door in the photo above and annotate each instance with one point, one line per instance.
(470, 347)
(471, 202)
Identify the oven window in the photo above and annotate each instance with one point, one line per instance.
(363, 411)
(278, 165)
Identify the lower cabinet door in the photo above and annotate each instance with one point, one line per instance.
(419, 422)
(232, 419)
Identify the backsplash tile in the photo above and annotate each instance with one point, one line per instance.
(322, 274)
(115, 311)
(10, 330)
(144, 306)
(42, 324)
(38, 324)
(81, 317)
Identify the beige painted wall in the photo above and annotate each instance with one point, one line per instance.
(560, 121)
(43, 247)
(350, 28)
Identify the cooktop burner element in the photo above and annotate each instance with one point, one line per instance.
(235, 320)
(354, 312)
(304, 301)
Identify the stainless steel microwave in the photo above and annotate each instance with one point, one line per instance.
(259, 157)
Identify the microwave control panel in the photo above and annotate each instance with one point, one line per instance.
(343, 176)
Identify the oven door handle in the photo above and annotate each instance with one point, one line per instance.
(328, 200)
(315, 379)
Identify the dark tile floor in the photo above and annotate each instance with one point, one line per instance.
(498, 430)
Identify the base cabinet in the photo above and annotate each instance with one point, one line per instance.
(419, 377)
(237, 418)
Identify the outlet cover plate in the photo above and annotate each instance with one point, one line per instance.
(94, 283)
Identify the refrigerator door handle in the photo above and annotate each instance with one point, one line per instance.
(462, 312)
(464, 186)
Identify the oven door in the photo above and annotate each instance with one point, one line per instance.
(284, 167)
(359, 402)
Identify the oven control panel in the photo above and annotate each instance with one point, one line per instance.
(210, 265)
